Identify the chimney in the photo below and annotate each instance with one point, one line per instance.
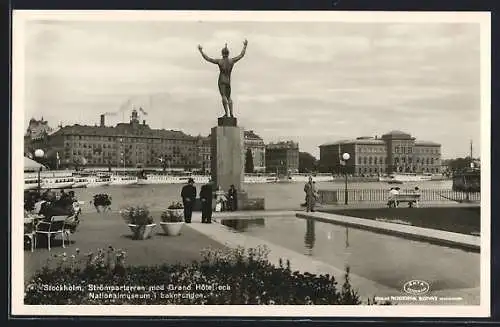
(102, 120)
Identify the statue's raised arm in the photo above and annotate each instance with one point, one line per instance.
(207, 58)
(242, 54)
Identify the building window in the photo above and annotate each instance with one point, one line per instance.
(375, 160)
(370, 160)
(364, 160)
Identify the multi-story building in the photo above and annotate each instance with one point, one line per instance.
(395, 151)
(204, 153)
(132, 144)
(282, 157)
(256, 145)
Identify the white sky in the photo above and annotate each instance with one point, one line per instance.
(311, 82)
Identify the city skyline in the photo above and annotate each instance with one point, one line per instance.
(311, 83)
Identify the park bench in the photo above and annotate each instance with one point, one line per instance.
(411, 198)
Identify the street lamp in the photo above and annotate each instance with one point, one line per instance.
(346, 157)
(39, 153)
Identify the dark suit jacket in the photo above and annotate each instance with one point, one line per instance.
(188, 192)
(206, 193)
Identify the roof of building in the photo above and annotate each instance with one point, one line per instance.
(251, 135)
(283, 145)
(122, 129)
(397, 133)
(372, 141)
(38, 128)
(423, 143)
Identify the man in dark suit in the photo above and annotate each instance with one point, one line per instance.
(206, 195)
(188, 195)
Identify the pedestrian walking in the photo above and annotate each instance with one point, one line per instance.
(311, 195)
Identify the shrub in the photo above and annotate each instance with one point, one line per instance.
(240, 277)
(138, 215)
(176, 205)
(102, 200)
(172, 216)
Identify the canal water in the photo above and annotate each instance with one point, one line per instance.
(278, 196)
(388, 260)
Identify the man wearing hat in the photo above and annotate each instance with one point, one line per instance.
(188, 195)
(206, 195)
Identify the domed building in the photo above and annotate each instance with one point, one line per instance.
(395, 151)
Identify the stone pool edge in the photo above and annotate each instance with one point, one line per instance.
(438, 237)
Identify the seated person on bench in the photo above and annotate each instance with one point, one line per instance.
(392, 199)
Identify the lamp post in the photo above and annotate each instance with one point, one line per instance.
(346, 157)
(39, 153)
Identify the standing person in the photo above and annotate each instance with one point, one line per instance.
(188, 195)
(206, 195)
(417, 200)
(310, 190)
(232, 195)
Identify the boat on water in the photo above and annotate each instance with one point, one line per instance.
(80, 182)
(30, 183)
(399, 178)
(175, 178)
(259, 178)
(57, 182)
(123, 180)
(96, 181)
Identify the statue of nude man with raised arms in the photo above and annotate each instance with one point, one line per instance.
(225, 67)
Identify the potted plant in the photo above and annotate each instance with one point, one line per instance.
(102, 202)
(139, 221)
(172, 219)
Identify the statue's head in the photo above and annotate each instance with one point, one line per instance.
(225, 51)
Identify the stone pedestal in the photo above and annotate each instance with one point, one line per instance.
(227, 154)
(227, 121)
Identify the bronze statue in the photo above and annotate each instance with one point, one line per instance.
(225, 67)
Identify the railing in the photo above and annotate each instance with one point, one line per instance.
(380, 195)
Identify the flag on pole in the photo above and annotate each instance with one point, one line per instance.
(143, 112)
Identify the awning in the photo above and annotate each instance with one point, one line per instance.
(32, 165)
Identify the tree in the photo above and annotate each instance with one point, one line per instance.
(249, 168)
(458, 164)
(307, 162)
(79, 161)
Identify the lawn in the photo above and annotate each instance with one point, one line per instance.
(464, 220)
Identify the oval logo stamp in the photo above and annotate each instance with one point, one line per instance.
(416, 287)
